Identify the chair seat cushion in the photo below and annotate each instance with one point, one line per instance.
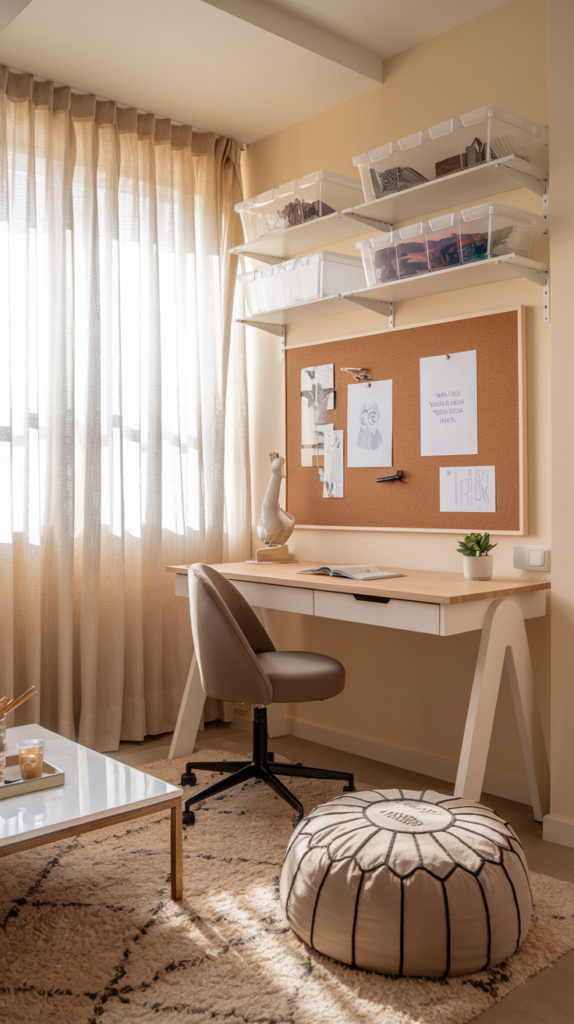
(302, 675)
(407, 883)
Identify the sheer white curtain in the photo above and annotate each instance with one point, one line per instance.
(123, 410)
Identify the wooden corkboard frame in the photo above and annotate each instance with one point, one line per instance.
(413, 504)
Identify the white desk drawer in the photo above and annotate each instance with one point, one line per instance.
(181, 585)
(269, 595)
(414, 615)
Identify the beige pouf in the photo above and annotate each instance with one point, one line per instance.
(407, 883)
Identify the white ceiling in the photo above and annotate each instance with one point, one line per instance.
(386, 27)
(201, 65)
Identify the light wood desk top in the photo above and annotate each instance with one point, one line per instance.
(415, 585)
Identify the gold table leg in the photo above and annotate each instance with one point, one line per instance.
(176, 852)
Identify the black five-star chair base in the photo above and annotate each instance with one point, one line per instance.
(263, 767)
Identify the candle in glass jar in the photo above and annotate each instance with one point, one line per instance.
(30, 758)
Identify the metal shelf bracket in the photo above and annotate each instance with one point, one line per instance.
(377, 306)
(277, 329)
(546, 299)
(371, 222)
(529, 181)
(262, 257)
(539, 277)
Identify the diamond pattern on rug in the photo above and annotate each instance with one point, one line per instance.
(89, 933)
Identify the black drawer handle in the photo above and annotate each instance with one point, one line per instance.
(374, 598)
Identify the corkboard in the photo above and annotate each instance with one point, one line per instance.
(413, 503)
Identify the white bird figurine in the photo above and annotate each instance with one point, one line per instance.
(275, 525)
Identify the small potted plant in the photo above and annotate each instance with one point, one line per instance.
(477, 561)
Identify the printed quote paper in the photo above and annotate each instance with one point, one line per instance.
(449, 419)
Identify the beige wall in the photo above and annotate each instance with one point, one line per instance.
(559, 826)
(404, 690)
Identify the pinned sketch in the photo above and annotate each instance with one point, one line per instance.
(370, 424)
(317, 398)
(314, 454)
(333, 469)
(467, 489)
(449, 418)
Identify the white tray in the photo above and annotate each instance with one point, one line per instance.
(16, 786)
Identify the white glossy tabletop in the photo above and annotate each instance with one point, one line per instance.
(95, 787)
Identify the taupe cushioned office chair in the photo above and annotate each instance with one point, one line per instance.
(238, 662)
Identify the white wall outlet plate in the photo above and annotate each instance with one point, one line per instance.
(531, 556)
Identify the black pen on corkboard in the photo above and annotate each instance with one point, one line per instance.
(398, 476)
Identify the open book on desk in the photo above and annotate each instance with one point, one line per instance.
(352, 572)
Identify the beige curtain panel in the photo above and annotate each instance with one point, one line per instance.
(123, 405)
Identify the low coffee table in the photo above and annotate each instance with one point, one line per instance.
(98, 791)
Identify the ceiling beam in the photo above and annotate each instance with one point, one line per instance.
(10, 9)
(302, 34)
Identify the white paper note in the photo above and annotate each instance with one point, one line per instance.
(370, 424)
(333, 472)
(449, 421)
(467, 489)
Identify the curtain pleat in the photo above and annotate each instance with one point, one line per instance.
(123, 402)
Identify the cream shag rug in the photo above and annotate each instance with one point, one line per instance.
(90, 934)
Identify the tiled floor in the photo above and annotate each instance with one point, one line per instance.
(548, 998)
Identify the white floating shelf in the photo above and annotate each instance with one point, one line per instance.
(381, 297)
(499, 268)
(452, 190)
(330, 306)
(289, 242)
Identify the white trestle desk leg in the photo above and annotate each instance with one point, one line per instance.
(276, 721)
(503, 640)
(190, 713)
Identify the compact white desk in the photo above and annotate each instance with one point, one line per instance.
(440, 603)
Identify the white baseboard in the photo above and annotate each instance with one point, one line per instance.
(399, 757)
(242, 722)
(558, 830)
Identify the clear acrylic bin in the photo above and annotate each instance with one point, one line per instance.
(443, 242)
(315, 195)
(412, 255)
(493, 229)
(397, 254)
(492, 132)
(379, 258)
(476, 233)
(301, 280)
(487, 133)
(393, 167)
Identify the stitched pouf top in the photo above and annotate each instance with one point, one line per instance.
(407, 883)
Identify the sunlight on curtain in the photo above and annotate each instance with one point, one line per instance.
(123, 405)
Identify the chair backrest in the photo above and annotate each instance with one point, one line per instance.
(227, 636)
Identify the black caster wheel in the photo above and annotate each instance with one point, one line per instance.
(296, 819)
(188, 779)
(188, 818)
(270, 755)
(349, 789)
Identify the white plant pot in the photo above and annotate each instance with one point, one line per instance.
(477, 567)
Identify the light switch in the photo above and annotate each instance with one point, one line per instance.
(531, 556)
